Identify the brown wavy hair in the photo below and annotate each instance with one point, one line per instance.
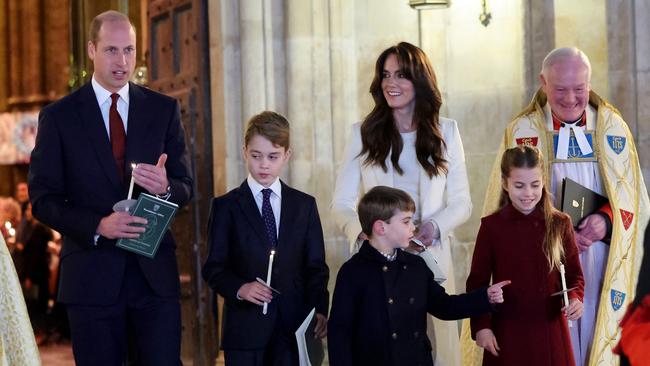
(527, 157)
(379, 135)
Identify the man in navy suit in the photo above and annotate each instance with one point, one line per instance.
(246, 224)
(79, 169)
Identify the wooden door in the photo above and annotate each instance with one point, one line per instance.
(178, 64)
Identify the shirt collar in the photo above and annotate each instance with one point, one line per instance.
(102, 94)
(557, 123)
(256, 188)
(369, 252)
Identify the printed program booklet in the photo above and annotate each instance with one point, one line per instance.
(159, 214)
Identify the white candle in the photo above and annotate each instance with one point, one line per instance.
(268, 279)
(131, 184)
(565, 293)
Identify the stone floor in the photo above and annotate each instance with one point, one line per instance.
(61, 355)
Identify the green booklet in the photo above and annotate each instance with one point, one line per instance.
(159, 214)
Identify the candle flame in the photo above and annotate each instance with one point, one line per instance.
(272, 252)
(8, 225)
(133, 165)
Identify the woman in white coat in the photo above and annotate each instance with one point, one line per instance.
(403, 143)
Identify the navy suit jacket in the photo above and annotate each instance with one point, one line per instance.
(239, 250)
(73, 184)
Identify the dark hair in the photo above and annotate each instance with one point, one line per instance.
(381, 203)
(379, 135)
(528, 157)
(107, 16)
(270, 125)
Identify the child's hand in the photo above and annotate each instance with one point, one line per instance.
(485, 339)
(574, 310)
(320, 330)
(362, 236)
(495, 293)
(255, 292)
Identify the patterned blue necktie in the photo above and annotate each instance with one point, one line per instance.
(267, 216)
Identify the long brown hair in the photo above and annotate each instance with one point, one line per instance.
(530, 158)
(379, 135)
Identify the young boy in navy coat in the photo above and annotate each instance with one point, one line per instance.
(383, 294)
(246, 224)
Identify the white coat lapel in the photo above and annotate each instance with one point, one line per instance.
(378, 177)
(425, 200)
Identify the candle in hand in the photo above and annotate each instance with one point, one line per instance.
(131, 184)
(566, 295)
(268, 279)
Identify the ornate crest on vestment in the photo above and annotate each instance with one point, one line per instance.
(617, 299)
(617, 143)
(527, 141)
(627, 217)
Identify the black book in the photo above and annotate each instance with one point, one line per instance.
(579, 201)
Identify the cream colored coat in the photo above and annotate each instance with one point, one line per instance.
(444, 199)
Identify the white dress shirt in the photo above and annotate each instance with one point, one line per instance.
(276, 198)
(104, 101)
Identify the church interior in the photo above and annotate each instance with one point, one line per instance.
(312, 61)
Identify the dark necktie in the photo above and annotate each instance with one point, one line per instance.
(267, 216)
(118, 136)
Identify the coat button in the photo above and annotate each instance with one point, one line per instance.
(384, 268)
(405, 266)
(416, 334)
(411, 301)
(390, 300)
(394, 335)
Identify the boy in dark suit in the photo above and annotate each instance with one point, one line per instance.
(246, 224)
(383, 294)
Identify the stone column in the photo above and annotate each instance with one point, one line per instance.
(253, 71)
(539, 40)
(229, 120)
(622, 59)
(253, 60)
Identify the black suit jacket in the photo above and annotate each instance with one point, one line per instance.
(239, 251)
(379, 310)
(73, 183)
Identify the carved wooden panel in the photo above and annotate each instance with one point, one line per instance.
(177, 47)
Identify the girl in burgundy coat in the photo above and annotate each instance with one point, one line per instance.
(526, 240)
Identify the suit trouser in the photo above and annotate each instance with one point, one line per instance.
(281, 350)
(100, 333)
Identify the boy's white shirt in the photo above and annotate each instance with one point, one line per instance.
(276, 197)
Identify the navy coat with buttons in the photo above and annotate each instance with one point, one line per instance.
(379, 310)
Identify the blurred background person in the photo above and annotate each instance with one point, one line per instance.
(36, 271)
